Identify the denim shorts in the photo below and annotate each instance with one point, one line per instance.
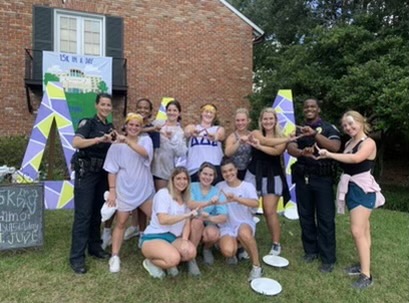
(357, 197)
(168, 237)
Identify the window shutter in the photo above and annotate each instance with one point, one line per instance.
(43, 37)
(115, 48)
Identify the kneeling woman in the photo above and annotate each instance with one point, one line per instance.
(204, 227)
(165, 241)
(240, 227)
(130, 180)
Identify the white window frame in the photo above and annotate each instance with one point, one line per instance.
(81, 17)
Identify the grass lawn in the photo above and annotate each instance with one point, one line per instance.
(44, 275)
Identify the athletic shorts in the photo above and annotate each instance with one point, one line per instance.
(278, 184)
(357, 197)
(168, 237)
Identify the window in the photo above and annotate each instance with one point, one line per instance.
(106, 39)
(79, 33)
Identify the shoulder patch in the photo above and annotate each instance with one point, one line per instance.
(335, 127)
(82, 123)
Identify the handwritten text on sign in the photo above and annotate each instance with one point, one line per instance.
(21, 216)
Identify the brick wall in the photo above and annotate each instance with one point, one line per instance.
(195, 51)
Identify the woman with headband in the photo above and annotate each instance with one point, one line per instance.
(130, 179)
(205, 142)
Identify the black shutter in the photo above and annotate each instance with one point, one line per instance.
(43, 37)
(115, 48)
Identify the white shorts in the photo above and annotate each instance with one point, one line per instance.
(233, 231)
(130, 206)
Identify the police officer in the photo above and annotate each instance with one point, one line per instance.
(314, 186)
(92, 140)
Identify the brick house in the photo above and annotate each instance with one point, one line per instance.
(193, 50)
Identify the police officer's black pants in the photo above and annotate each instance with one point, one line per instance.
(316, 209)
(88, 200)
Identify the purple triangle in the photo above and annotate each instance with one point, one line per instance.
(38, 136)
(43, 113)
(50, 197)
(61, 107)
(277, 101)
(54, 185)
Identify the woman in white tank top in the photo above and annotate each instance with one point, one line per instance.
(205, 142)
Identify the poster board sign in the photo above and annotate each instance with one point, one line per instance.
(82, 78)
(21, 216)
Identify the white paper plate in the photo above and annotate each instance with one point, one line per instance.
(275, 261)
(256, 219)
(291, 211)
(266, 286)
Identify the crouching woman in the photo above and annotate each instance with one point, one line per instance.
(165, 241)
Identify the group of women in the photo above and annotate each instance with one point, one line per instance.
(209, 200)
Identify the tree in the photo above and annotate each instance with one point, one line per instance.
(102, 87)
(350, 54)
(50, 77)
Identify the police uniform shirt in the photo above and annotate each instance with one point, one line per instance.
(93, 128)
(324, 128)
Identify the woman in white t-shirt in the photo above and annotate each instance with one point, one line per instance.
(240, 228)
(165, 241)
(205, 142)
(130, 179)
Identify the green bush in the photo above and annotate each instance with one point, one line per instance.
(12, 150)
(396, 197)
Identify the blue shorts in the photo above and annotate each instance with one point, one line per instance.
(357, 197)
(168, 237)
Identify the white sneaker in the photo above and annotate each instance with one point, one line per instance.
(173, 271)
(193, 269)
(106, 240)
(114, 264)
(256, 272)
(275, 249)
(130, 232)
(153, 270)
(208, 256)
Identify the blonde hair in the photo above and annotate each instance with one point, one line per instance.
(134, 116)
(212, 108)
(186, 193)
(358, 118)
(277, 129)
(209, 107)
(242, 110)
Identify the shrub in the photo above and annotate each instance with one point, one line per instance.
(396, 197)
(12, 150)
